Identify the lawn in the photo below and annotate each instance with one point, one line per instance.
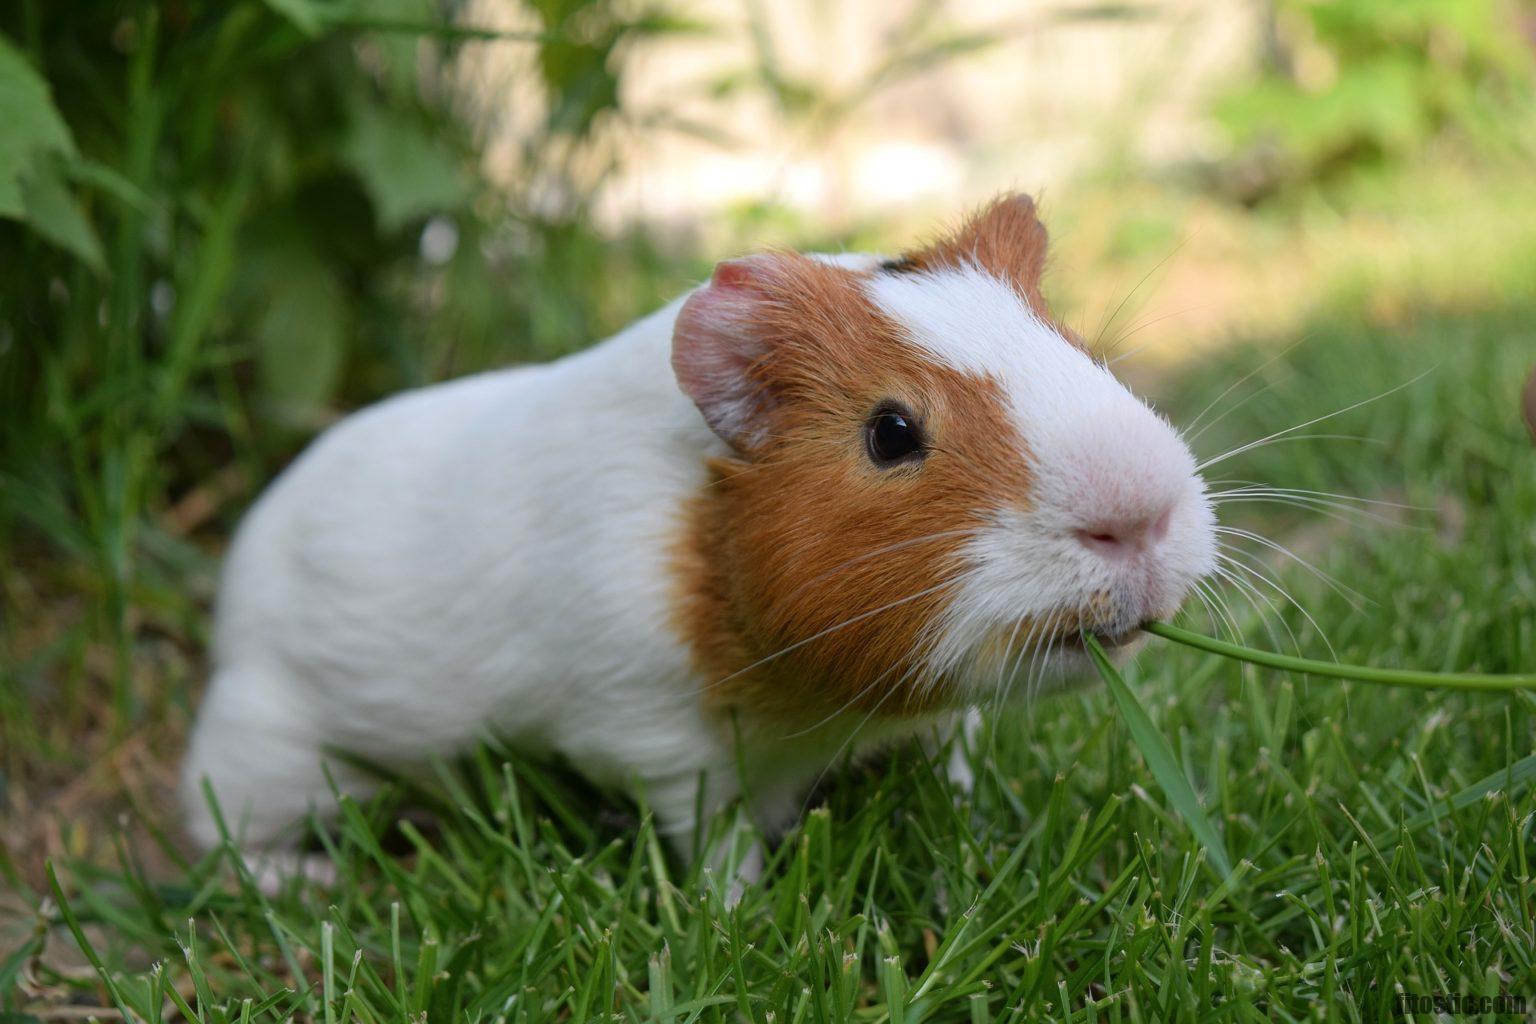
(1062, 888)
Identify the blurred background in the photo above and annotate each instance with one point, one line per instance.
(223, 225)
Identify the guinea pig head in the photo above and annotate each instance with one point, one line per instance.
(932, 488)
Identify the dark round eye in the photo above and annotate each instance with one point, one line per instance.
(893, 437)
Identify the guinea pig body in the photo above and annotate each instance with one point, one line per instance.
(816, 504)
(482, 557)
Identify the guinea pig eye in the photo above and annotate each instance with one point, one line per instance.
(893, 436)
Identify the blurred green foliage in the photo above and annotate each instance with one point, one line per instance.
(220, 222)
(224, 224)
(1358, 84)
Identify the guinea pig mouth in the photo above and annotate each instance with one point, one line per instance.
(1063, 630)
(1109, 641)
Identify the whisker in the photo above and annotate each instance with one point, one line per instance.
(847, 704)
(1099, 336)
(1253, 487)
(1332, 509)
(1210, 610)
(1318, 419)
(838, 753)
(1205, 604)
(833, 629)
(1003, 676)
(1251, 592)
(1348, 593)
(866, 556)
(792, 439)
(756, 467)
(1039, 656)
(1266, 442)
(1021, 675)
(1253, 597)
(1285, 594)
(1226, 610)
(960, 457)
(1245, 378)
(1143, 326)
(1032, 648)
(1007, 681)
(1190, 439)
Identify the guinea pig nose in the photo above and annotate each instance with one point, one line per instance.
(1125, 535)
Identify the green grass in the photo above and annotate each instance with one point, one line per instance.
(1382, 837)
(225, 261)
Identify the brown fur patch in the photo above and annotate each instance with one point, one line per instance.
(1006, 239)
(806, 547)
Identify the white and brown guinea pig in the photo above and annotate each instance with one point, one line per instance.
(816, 504)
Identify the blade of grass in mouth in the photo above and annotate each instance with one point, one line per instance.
(1160, 759)
(1333, 670)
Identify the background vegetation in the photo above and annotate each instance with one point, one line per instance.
(223, 224)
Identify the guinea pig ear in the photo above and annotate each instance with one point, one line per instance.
(719, 346)
(1005, 238)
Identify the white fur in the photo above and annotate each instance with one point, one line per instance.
(1097, 452)
(485, 557)
(489, 557)
(481, 557)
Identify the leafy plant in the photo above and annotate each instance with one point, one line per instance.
(1356, 84)
(223, 222)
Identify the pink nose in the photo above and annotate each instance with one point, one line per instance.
(1117, 538)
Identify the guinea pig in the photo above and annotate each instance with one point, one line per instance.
(817, 504)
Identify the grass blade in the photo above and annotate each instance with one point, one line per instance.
(1509, 780)
(1333, 670)
(1160, 759)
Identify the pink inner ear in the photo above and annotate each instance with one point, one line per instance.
(733, 274)
(715, 344)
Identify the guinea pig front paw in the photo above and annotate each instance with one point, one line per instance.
(953, 741)
(271, 870)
